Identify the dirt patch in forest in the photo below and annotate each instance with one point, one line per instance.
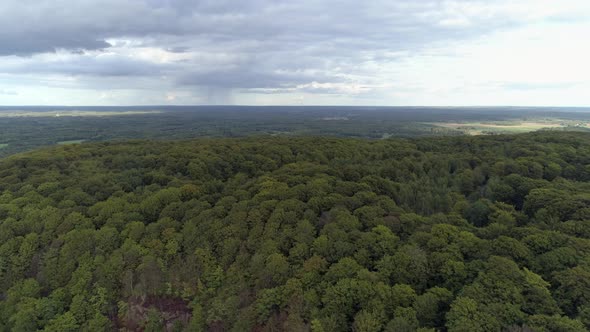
(171, 309)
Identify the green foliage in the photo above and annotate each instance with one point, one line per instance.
(63, 323)
(465, 315)
(543, 323)
(404, 320)
(323, 234)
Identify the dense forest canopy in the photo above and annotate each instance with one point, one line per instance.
(299, 234)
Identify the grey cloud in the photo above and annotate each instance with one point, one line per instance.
(253, 78)
(178, 49)
(87, 65)
(29, 27)
(46, 25)
(40, 44)
(253, 44)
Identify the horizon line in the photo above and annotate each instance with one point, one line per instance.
(285, 105)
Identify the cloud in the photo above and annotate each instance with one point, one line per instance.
(221, 49)
(538, 85)
(86, 65)
(8, 92)
(30, 27)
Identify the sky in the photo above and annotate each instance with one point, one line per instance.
(297, 52)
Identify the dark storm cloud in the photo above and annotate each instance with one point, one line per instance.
(235, 44)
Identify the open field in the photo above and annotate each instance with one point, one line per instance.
(75, 141)
(510, 126)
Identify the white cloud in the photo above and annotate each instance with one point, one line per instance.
(431, 52)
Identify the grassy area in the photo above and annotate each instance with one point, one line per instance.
(2, 146)
(481, 128)
(76, 141)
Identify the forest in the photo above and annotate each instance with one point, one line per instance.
(29, 128)
(321, 234)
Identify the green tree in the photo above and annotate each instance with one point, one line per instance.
(465, 316)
